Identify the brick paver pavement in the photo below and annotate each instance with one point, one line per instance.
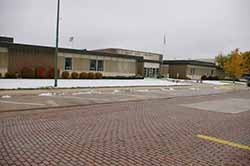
(157, 132)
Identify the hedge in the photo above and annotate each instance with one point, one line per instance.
(65, 75)
(52, 71)
(74, 75)
(83, 75)
(91, 75)
(40, 72)
(204, 77)
(123, 77)
(98, 75)
(27, 72)
(10, 75)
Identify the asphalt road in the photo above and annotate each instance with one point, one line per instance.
(183, 130)
(40, 99)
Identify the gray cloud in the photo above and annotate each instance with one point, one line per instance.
(194, 28)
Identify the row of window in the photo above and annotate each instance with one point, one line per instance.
(95, 65)
(193, 71)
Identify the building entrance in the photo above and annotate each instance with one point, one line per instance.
(151, 72)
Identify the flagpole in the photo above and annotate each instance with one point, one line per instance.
(164, 44)
(71, 39)
(57, 40)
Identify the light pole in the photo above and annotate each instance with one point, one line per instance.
(57, 40)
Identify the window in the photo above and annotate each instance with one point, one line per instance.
(92, 65)
(145, 72)
(150, 72)
(157, 72)
(153, 72)
(100, 65)
(96, 65)
(68, 63)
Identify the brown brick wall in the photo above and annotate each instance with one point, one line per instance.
(20, 57)
(164, 69)
(140, 68)
(174, 69)
(3, 61)
(29, 57)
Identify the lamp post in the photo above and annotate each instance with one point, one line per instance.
(57, 40)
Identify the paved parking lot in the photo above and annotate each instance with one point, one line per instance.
(231, 105)
(12, 100)
(147, 132)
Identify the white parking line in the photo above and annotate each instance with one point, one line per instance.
(53, 103)
(81, 98)
(20, 103)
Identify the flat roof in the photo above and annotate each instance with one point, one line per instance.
(122, 49)
(189, 62)
(69, 50)
(128, 52)
(6, 39)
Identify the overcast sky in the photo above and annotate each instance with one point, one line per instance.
(193, 28)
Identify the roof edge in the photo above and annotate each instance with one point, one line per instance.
(70, 50)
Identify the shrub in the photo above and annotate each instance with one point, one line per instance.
(204, 77)
(10, 75)
(123, 77)
(51, 72)
(27, 73)
(74, 75)
(40, 72)
(98, 75)
(213, 78)
(83, 75)
(0, 75)
(91, 75)
(248, 83)
(65, 75)
(216, 78)
(187, 78)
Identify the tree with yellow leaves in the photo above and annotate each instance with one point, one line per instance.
(246, 63)
(234, 66)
